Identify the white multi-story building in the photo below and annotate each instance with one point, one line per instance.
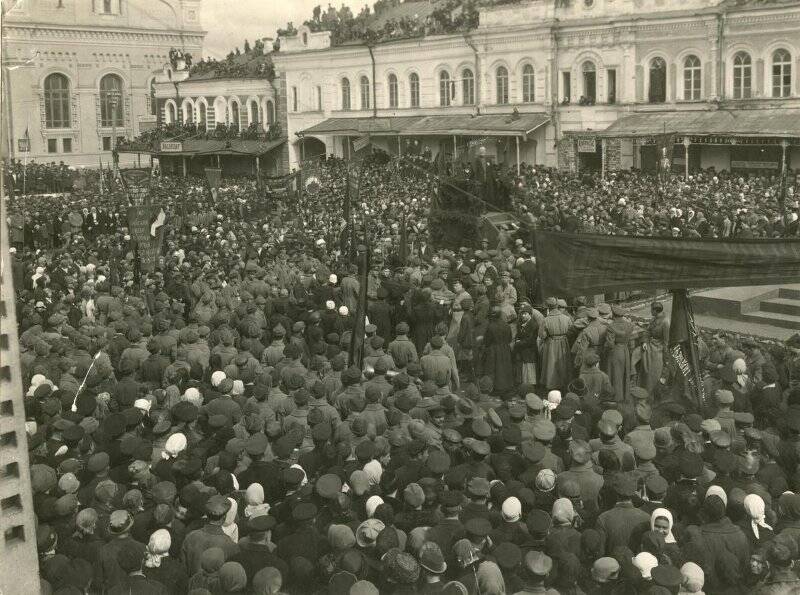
(568, 83)
(76, 72)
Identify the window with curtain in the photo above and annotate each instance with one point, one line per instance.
(413, 87)
(528, 82)
(501, 84)
(364, 92)
(393, 97)
(345, 94)
(467, 87)
(111, 96)
(781, 73)
(691, 78)
(56, 101)
(589, 82)
(742, 76)
(444, 89)
(270, 112)
(657, 91)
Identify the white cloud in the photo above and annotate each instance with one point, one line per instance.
(230, 23)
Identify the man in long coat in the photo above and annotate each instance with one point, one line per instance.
(555, 358)
(497, 352)
(653, 350)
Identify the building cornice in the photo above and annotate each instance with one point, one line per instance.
(22, 31)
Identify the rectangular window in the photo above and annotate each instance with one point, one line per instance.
(67, 145)
(7, 407)
(781, 80)
(566, 91)
(294, 99)
(611, 75)
(319, 98)
(107, 6)
(14, 534)
(52, 145)
(11, 504)
(106, 143)
(9, 439)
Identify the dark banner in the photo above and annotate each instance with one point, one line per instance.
(146, 225)
(682, 345)
(585, 264)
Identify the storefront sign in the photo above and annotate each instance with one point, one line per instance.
(587, 145)
(171, 147)
(754, 165)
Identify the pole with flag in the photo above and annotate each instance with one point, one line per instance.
(683, 338)
(356, 352)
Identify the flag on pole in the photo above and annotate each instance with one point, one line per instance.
(683, 346)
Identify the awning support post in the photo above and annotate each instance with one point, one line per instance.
(455, 147)
(399, 147)
(219, 160)
(517, 139)
(603, 159)
(183, 161)
(686, 142)
(258, 165)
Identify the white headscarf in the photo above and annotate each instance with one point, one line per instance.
(644, 563)
(665, 514)
(717, 491)
(754, 506)
(254, 496)
(175, 445)
(372, 505)
(229, 526)
(158, 548)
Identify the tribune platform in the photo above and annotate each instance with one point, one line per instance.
(766, 310)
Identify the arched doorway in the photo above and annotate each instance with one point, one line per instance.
(311, 148)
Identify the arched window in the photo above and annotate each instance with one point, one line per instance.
(501, 83)
(254, 112)
(56, 101)
(152, 96)
(188, 113)
(657, 92)
(345, 94)
(467, 87)
(528, 84)
(270, 112)
(691, 78)
(413, 88)
(742, 76)
(589, 82)
(393, 98)
(111, 101)
(781, 73)
(445, 93)
(235, 113)
(364, 92)
(169, 113)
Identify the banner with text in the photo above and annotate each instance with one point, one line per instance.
(146, 225)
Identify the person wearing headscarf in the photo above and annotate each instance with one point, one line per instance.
(693, 579)
(661, 522)
(754, 525)
(159, 566)
(254, 497)
(563, 537)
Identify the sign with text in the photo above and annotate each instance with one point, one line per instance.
(587, 145)
(146, 227)
(171, 146)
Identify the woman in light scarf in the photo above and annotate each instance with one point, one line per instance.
(755, 525)
(661, 522)
(254, 496)
(160, 566)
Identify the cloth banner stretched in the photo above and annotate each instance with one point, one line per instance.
(585, 264)
(147, 226)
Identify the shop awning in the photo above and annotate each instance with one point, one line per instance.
(192, 147)
(735, 122)
(438, 125)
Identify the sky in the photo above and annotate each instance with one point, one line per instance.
(230, 23)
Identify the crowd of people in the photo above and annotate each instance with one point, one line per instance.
(211, 427)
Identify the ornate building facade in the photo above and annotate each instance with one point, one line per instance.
(78, 72)
(574, 84)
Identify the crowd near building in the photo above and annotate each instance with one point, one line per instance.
(290, 328)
